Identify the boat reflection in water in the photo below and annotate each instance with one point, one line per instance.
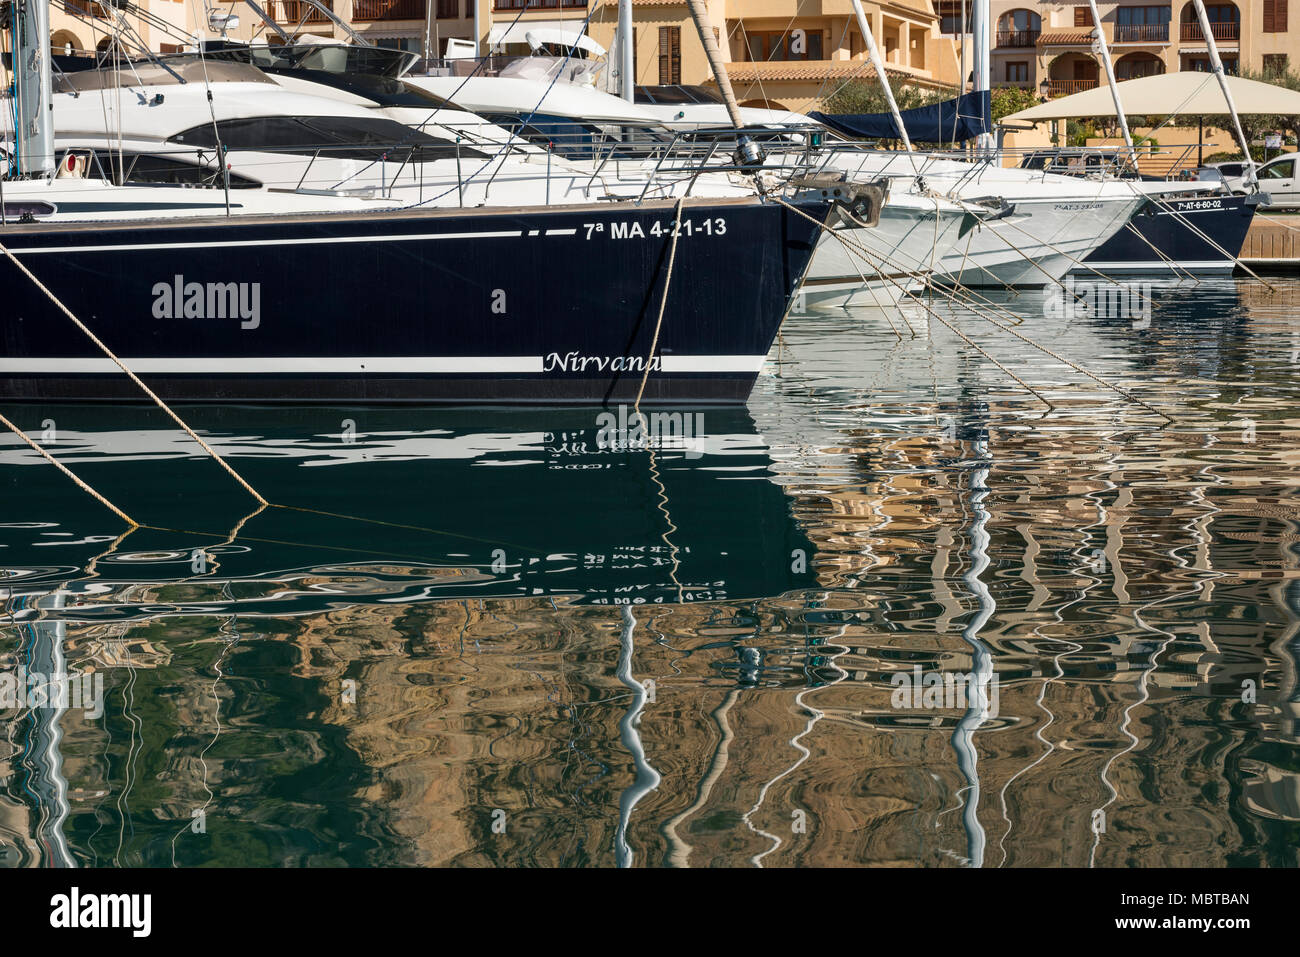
(897, 615)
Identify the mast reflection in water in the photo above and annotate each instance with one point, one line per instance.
(479, 638)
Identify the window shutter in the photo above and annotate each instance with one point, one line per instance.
(1082, 17)
(1279, 16)
(1268, 17)
(670, 55)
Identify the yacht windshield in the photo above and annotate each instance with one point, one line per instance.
(337, 137)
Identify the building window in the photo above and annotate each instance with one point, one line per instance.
(1142, 25)
(1137, 65)
(1082, 17)
(448, 9)
(1201, 64)
(1275, 64)
(670, 55)
(797, 44)
(1018, 71)
(950, 19)
(1274, 16)
(1019, 28)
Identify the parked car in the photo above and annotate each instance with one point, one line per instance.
(1232, 173)
(1277, 177)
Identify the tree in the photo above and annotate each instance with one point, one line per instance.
(1011, 99)
(866, 96)
(1255, 125)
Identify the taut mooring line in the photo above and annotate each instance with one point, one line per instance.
(133, 377)
(69, 473)
(851, 245)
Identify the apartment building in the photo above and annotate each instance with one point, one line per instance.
(782, 52)
(1048, 47)
(80, 26)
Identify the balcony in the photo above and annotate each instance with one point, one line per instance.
(299, 11)
(1141, 33)
(91, 8)
(1066, 87)
(1017, 38)
(538, 4)
(370, 10)
(1191, 32)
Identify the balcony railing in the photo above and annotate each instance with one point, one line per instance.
(1227, 30)
(363, 10)
(1141, 33)
(1017, 38)
(538, 4)
(1066, 87)
(299, 11)
(90, 8)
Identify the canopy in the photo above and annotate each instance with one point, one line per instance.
(1168, 94)
(563, 38)
(959, 119)
(559, 32)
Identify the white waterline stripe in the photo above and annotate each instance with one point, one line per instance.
(261, 365)
(711, 363)
(350, 365)
(322, 241)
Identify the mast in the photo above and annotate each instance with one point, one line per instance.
(980, 45)
(749, 151)
(1104, 50)
(1217, 64)
(625, 52)
(874, 53)
(34, 130)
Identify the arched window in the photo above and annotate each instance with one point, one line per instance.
(1134, 65)
(1018, 28)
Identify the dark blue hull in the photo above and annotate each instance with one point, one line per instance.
(548, 305)
(1168, 227)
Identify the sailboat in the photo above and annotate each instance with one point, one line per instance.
(228, 295)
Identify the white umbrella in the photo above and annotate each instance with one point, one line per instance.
(1168, 94)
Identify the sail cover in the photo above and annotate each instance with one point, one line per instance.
(951, 120)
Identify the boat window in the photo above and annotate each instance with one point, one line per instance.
(575, 140)
(26, 209)
(337, 137)
(149, 169)
(674, 95)
(565, 136)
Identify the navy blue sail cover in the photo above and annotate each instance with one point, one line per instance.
(952, 120)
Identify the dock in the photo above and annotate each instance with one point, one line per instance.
(1273, 241)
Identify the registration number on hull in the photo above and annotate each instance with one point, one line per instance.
(632, 229)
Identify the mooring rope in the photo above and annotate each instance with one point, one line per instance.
(69, 473)
(132, 376)
(1173, 266)
(850, 245)
(663, 303)
(1028, 341)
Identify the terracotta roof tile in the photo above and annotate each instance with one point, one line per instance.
(1071, 39)
(766, 70)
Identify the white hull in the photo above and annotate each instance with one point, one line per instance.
(907, 243)
(1037, 244)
